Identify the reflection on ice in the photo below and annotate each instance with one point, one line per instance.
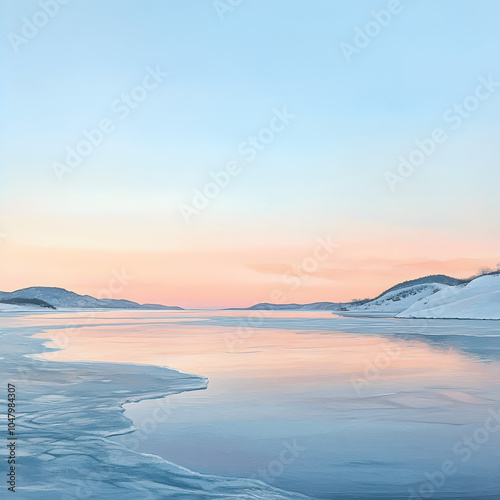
(68, 410)
(372, 404)
(329, 407)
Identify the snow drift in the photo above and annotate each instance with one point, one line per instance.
(477, 299)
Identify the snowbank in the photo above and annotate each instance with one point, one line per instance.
(478, 299)
(16, 308)
(399, 300)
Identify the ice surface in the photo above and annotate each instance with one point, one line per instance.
(372, 445)
(67, 412)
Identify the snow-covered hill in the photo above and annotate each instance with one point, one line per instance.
(315, 306)
(477, 299)
(61, 298)
(436, 297)
(396, 301)
(22, 304)
(18, 308)
(403, 295)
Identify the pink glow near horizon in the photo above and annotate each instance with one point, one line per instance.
(234, 277)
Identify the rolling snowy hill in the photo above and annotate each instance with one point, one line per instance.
(24, 303)
(477, 299)
(61, 298)
(401, 296)
(398, 300)
(266, 306)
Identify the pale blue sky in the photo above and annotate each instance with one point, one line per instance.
(226, 76)
(324, 172)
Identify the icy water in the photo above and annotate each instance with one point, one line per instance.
(334, 408)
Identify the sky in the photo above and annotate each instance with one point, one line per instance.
(224, 153)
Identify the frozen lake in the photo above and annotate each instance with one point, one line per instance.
(307, 402)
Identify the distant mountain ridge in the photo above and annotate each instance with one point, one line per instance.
(314, 306)
(62, 298)
(391, 300)
(435, 296)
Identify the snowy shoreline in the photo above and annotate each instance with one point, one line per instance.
(68, 412)
(387, 315)
(477, 299)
